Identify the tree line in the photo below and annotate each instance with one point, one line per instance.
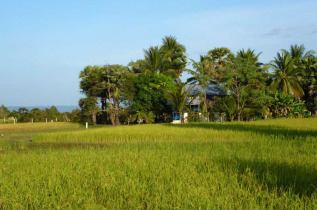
(38, 115)
(150, 89)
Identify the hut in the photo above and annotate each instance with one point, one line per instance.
(193, 103)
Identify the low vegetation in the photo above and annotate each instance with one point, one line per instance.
(248, 165)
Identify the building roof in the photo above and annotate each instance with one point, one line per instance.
(211, 90)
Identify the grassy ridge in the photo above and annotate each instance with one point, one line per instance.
(265, 164)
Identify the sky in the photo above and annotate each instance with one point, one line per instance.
(45, 44)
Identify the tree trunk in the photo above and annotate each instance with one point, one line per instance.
(110, 104)
(111, 111)
(94, 118)
(103, 111)
(116, 104)
(182, 118)
(206, 104)
(238, 107)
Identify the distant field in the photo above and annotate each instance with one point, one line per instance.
(263, 164)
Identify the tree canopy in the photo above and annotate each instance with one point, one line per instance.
(150, 88)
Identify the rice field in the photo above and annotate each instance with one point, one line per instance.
(248, 165)
(6, 121)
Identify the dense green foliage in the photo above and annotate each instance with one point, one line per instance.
(140, 90)
(150, 93)
(180, 97)
(283, 105)
(104, 83)
(150, 89)
(246, 83)
(4, 112)
(239, 165)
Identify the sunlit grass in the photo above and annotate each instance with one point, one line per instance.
(263, 164)
(38, 126)
(26, 131)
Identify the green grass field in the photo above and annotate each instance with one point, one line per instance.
(254, 165)
(6, 121)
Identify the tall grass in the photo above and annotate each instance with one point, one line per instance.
(264, 164)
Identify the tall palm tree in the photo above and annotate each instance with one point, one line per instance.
(309, 82)
(297, 52)
(153, 60)
(302, 60)
(220, 56)
(250, 57)
(285, 75)
(174, 57)
(310, 74)
(203, 75)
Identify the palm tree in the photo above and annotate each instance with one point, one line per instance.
(309, 82)
(169, 59)
(285, 75)
(179, 97)
(310, 74)
(302, 60)
(174, 57)
(203, 76)
(153, 60)
(297, 52)
(220, 56)
(250, 57)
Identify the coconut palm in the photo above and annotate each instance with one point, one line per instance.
(250, 57)
(203, 76)
(180, 97)
(309, 82)
(174, 57)
(285, 75)
(310, 74)
(297, 52)
(153, 60)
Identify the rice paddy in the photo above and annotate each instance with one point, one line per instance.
(248, 165)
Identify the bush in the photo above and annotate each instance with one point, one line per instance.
(193, 117)
(287, 106)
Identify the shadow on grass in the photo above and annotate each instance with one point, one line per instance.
(260, 129)
(282, 176)
(65, 145)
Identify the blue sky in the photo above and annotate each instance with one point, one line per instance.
(45, 44)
